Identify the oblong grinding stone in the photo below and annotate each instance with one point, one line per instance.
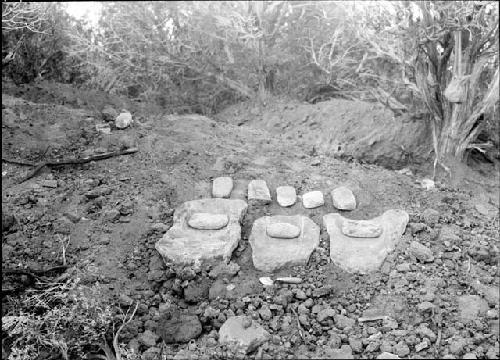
(207, 221)
(283, 230)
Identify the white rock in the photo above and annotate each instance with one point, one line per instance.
(266, 280)
(427, 184)
(364, 255)
(258, 191)
(343, 198)
(103, 128)
(361, 229)
(184, 245)
(269, 254)
(387, 355)
(123, 120)
(207, 221)
(222, 187)
(234, 333)
(313, 199)
(289, 280)
(283, 230)
(286, 195)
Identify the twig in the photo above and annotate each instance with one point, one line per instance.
(125, 322)
(64, 244)
(298, 324)
(78, 161)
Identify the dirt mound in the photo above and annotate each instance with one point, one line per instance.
(341, 128)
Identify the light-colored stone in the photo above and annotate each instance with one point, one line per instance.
(103, 128)
(182, 244)
(207, 221)
(123, 120)
(343, 198)
(222, 187)
(470, 307)
(364, 254)
(266, 281)
(361, 229)
(289, 280)
(269, 254)
(313, 199)
(234, 332)
(283, 230)
(387, 355)
(427, 184)
(286, 195)
(259, 192)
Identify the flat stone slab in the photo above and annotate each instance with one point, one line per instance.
(184, 245)
(283, 230)
(243, 333)
(286, 195)
(222, 187)
(258, 191)
(313, 199)
(364, 255)
(343, 198)
(269, 253)
(361, 229)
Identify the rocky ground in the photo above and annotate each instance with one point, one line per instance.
(436, 295)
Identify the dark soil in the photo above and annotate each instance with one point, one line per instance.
(113, 211)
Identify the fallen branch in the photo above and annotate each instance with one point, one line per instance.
(36, 273)
(18, 162)
(84, 160)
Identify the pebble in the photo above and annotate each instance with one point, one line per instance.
(265, 313)
(222, 187)
(286, 195)
(300, 295)
(387, 355)
(123, 120)
(431, 216)
(401, 349)
(421, 346)
(416, 228)
(312, 199)
(421, 252)
(343, 198)
(425, 306)
(356, 344)
(325, 314)
(404, 267)
(266, 281)
(343, 322)
(289, 280)
(283, 230)
(457, 346)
